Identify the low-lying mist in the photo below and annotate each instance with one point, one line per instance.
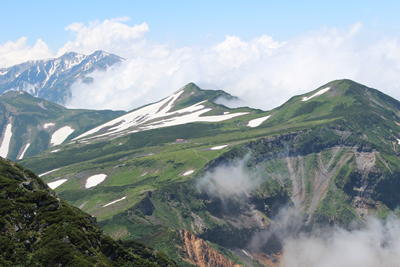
(230, 179)
(302, 244)
(376, 245)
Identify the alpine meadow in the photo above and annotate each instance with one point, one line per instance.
(122, 146)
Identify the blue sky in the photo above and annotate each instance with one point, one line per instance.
(261, 51)
(196, 22)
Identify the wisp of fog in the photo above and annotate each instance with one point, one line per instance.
(376, 244)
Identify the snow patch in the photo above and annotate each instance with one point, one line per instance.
(23, 152)
(142, 117)
(112, 202)
(95, 180)
(3, 72)
(60, 135)
(320, 92)
(226, 112)
(47, 125)
(5, 145)
(45, 173)
(218, 147)
(188, 172)
(77, 60)
(258, 121)
(42, 106)
(55, 150)
(398, 140)
(55, 184)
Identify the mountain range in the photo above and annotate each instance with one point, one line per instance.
(51, 79)
(183, 170)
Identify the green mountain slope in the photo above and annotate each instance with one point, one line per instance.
(40, 229)
(33, 123)
(330, 155)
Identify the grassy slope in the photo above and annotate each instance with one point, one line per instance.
(348, 115)
(39, 229)
(28, 117)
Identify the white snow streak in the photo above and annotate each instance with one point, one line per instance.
(45, 173)
(145, 115)
(6, 141)
(47, 125)
(188, 172)
(247, 254)
(60, 135)
(23, 152)
(95, 180)
(258, 121)
(55, 184)
(218, 147)
(77, 60)
(112, 202)
(320, 92)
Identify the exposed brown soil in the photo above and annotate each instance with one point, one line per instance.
(267, 260)
(201, 254)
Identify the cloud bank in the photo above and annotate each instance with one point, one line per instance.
(376, 245)
(263, 72)
(12, 53)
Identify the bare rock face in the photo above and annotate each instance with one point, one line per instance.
(201, 254)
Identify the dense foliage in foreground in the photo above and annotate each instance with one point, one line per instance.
(40, 229)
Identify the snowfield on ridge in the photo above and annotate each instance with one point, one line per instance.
(158, 115)
(320, 92)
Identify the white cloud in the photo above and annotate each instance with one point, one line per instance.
(263, 72)
(12, 53)
(376, 245)
(110, 35)
(230, 179)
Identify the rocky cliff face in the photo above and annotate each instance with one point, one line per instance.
(201, 254)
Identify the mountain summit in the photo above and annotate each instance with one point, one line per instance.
(50, 79)
(188, 104)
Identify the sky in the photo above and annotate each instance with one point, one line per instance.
(262, 51)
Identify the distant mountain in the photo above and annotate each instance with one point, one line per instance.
(40, 229)
(31, 125)
(51, 79)
(330, 156)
